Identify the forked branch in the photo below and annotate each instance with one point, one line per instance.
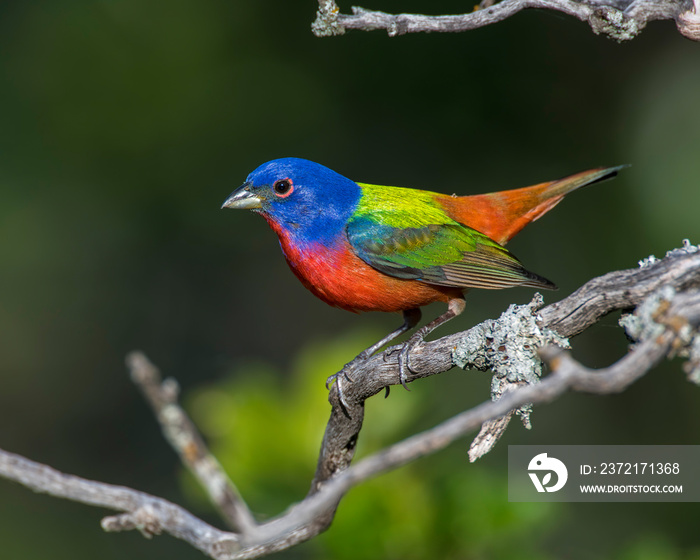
(666, 297)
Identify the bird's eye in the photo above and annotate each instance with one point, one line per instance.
(283, 187)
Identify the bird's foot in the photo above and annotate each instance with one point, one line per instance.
(337, 378)
(351, 365)
(391, 351)
(343, 375)
(404, 359)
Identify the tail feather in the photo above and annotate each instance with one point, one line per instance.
(501, 215)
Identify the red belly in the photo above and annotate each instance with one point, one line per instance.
(340, 278)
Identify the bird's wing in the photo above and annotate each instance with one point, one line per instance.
(445, 254)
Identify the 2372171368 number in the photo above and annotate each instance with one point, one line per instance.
(639, 468)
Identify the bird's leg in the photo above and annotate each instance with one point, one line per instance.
(454, 307)
(411, 317)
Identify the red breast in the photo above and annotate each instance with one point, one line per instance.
(340, 278)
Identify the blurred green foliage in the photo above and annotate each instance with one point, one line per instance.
(125, 124)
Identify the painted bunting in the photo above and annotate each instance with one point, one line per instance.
(365, 247)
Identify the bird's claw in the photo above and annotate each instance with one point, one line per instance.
(343, 373)
(404, 360)
(338, 379)
(335, 376)
(392, 350)
(404, 369)
(361, 357)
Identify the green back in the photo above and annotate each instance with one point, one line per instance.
(406, 234)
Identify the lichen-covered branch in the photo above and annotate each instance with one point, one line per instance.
(665, 295)
(618, 19)
(481, 347)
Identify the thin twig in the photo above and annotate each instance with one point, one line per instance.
(183, 436)
(619, 19)
(147, 513)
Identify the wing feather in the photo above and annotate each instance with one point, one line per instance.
(448, 254)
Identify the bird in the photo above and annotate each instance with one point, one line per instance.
(365, 247)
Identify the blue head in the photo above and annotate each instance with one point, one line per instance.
(306, 199)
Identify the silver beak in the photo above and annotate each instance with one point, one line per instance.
(242, 199)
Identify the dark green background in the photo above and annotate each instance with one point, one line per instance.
(124, 125)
